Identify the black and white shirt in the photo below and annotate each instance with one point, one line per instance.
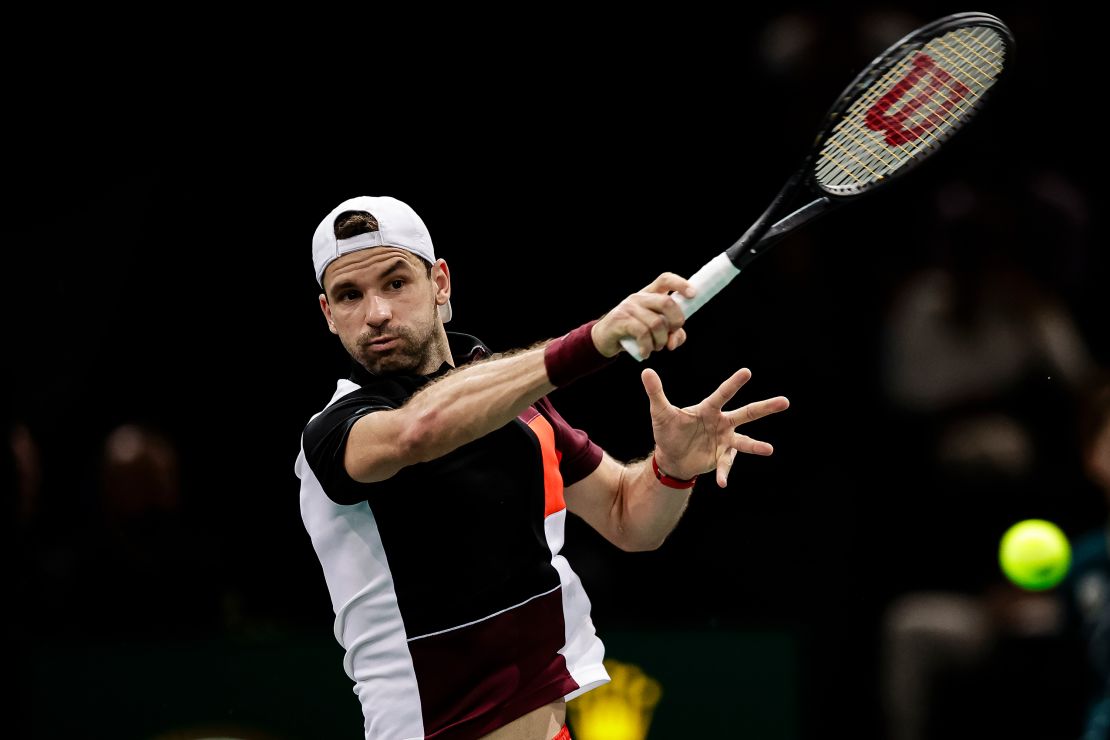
(455, 609)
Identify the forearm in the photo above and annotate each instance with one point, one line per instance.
(446, 414)
(473, 401)
(646, 510)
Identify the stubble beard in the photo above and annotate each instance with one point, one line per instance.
(407, 355)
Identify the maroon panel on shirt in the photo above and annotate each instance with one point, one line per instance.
(580, 456)
(477, 678)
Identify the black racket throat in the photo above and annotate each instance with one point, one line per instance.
(764, 234)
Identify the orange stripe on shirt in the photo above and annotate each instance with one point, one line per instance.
(552, 478)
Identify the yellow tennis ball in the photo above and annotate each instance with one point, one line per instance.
(1034, 554)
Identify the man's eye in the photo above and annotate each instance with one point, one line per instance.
(397, 284)
(350, 295)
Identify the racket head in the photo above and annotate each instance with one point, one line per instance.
(908, 102)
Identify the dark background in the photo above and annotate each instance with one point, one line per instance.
(158, 273)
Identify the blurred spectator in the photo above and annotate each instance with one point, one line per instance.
(980, 362)
(22, 473)
(140, 479)
(124, 557)
(1046, 652)
(22, 469)
(1087, 588)
(973, 325)
(981, 366)
(27, 470)
(150, 567)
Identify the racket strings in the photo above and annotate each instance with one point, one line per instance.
(990, 61)
(923, 135)
(926, 132)
(964, 65)
(863, 142)
(931, 134)
(860, 144)
(936, 80)
(934, 88)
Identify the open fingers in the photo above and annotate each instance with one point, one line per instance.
(653, 384)
(747, 445)
(740, 443)
(724, 466)
(726, 390)
(757, 410)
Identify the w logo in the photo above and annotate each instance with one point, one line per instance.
(940, 94)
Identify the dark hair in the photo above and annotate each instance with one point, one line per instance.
(353, 223)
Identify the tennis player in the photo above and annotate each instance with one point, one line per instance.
(436, 482)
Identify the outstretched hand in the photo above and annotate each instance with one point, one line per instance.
(697, 439)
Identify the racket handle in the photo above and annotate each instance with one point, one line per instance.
(708, 282)
(632, 348)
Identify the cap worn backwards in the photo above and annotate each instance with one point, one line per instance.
(398, 226)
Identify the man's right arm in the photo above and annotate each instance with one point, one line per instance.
(459, 408)
(473, 401)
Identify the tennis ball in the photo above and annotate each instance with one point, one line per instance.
(1034, 554)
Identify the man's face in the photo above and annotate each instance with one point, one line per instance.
(382, 304)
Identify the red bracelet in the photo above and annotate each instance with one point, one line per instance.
(670, 482)
(571, 356)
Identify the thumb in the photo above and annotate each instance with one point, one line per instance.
(654, 387)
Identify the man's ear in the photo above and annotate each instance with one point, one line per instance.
(441, 276)
(326, 308)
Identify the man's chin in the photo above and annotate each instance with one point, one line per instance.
(390, 363)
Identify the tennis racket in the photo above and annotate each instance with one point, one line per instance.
(894, 115)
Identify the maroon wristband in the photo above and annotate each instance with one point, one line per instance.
(670, 482)
(571, 356)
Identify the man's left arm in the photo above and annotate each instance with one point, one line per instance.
(626, 504)
(636, 505)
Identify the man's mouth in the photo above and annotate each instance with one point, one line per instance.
(382, 343)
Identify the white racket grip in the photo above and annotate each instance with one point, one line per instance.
(708, 282)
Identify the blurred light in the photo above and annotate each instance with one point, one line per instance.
(788, 42)
(619, 710)
(125, 444)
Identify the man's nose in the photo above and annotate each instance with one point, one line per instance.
(378, 311)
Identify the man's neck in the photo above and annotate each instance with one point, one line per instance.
(439, 353)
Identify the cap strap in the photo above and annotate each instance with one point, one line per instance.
(358, 241)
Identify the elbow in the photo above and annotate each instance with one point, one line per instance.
(383, 443)
(641, 543)
(419, 439)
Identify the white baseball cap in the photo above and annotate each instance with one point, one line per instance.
(398, 226)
